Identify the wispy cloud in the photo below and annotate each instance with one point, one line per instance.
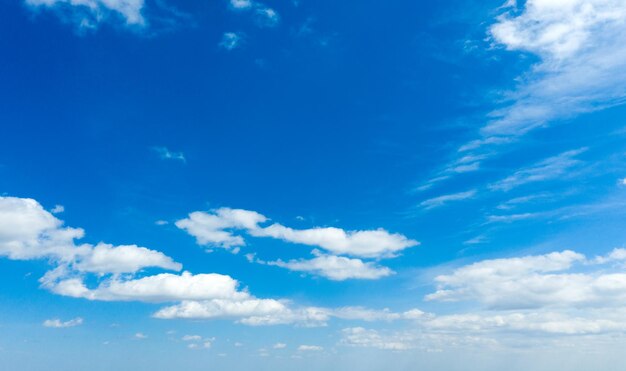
(442, 200)
(57, 323)
(264, 16)
(548, 169)
(231, 40)
(166, 154)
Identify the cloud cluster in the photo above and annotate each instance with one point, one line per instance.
(106, 272)
(263, 15)
(88, 13)
(535, 282)
(223, 228)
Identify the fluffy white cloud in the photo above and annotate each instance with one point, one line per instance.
(162, 287)
(337, 268)
(28, 231)
(104, 258)
(216, 229)
(279, 346)
(367, 244)
(57, 323)
(535, 282)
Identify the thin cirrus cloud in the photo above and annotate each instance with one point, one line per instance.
(57, 323)
(581, 69)
(231, 40)
(555, 167)
(166, 154)
(445, 199)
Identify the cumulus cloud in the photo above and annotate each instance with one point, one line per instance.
(337, 268)
(112, 273)
(535, 282)
(162, 287)
(28, 231)
(216, 229)
(57, 323)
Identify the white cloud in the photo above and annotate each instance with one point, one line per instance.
(57, 323)
(370, 315)
(310, 348)
(191, 338)
(241, 4)
(360, 337)
(442, 200)
(267, 17)
(580, 43)
(162, 287)
(141, 336)
(367, 244)
(27, 231)
(88, 13)
(279, 346)
(57, 209)
(337, 268)
(581, 67)
(554, 167)
(105, 258)
(535, 282)
(215, 229)
(264, 15)
(231, 40)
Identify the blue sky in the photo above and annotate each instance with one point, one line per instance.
(241, 184)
